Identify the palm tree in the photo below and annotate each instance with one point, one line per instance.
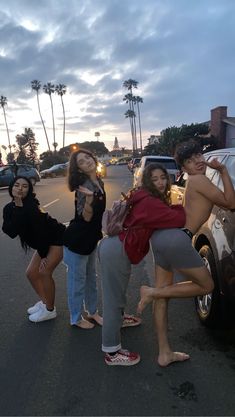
(49, 89)
(61, 90)
(131, 114)
(27, 145)
(36, 85)
(3, 103)
(129, 85)
(128, 98)
(137, 100)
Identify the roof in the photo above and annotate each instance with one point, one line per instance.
(229, 121)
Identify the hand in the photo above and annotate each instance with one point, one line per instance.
(18, 201)
(85, 191)
(215, 164)
(43, 265)
(88, 193)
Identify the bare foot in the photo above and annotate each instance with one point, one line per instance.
(145, 298)
(84, 324)
(96, 317)
(171, 357)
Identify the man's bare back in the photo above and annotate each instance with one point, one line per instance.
(197, 206)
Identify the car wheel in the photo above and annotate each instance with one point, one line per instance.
(33, 181)
(208, 306)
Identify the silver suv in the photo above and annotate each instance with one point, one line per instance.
(215, 241)
(167, 161)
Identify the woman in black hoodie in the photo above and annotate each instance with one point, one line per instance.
(37, 230)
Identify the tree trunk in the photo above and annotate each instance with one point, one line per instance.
(43, 124)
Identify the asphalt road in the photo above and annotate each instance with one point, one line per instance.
(51, 369)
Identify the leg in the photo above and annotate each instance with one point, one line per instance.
(54, 257)
(165, 353)
(76, 281)
(200, 283)
(91, 296)
(115, 271)
(47, 311)
(34, 276)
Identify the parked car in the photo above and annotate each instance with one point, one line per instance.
(167, 161)
(215, 241)
(133, 163)
(58, 170)
(8, 172)
(123, 161)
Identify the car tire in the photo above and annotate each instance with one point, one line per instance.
(208, 307)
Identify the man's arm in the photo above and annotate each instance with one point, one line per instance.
(229, 192)
(205, 187)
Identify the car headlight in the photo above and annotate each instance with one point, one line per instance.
(99, 167)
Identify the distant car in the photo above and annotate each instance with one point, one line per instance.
(167, 161)
(123, 160)
(215, 241)
(58, 170)
(8, 172)
(101, 170)
(133, 163)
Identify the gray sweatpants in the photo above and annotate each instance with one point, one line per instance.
(115, 269)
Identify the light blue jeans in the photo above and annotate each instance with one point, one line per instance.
(81, 283)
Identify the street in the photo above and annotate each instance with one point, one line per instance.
(51, 369)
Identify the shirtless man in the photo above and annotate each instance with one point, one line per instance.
(173, 250)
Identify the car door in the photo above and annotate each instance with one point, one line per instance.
(225, 219)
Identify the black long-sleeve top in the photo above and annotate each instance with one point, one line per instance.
(36, 229)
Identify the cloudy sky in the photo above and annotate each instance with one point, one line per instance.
(180, 51)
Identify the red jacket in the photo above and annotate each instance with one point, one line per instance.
(147, 214)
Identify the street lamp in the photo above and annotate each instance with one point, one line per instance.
(97, 135)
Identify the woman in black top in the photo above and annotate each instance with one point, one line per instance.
(82, 236)
(23, 217)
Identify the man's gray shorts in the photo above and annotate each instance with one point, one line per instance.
(172, 249)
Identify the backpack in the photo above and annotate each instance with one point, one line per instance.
(113, 219)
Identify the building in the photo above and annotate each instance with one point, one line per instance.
(222, 127)
(153, 139)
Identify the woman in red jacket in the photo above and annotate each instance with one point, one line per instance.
(151, 209)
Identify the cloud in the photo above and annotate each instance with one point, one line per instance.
(181, 53)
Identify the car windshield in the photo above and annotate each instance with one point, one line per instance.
(167, 163)
(231, 167)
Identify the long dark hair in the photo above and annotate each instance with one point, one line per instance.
(75, 176)
(148, 185)
(30, 202)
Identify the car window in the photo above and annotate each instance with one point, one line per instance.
(212, 174)
(21, 170)
(6, 171)
(26, 167)
(230, 164)
(231, 167)
(167, 163)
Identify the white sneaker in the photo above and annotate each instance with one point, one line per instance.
(43, 314)
(35, 308)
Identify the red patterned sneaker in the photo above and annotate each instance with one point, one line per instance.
(122, 358)
(131, 321)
